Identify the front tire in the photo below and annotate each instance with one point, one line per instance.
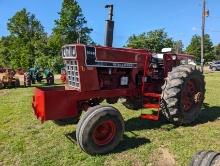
(205, 158)
(183, 94)
(100, 130)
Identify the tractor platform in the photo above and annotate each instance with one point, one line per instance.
(147, 103)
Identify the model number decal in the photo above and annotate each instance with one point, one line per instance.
(91, 60)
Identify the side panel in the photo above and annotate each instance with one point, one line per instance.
(60, 105)
(91, 58)
(88, 75)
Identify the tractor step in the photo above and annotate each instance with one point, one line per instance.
(150, 117)
(149, 105)
(153, 95)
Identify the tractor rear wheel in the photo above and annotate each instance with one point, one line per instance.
(183, 94)
(50, 79)
(100, 130)
(27, 80)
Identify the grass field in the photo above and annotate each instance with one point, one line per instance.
(25, 141)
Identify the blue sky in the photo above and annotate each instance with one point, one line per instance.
(180, 18)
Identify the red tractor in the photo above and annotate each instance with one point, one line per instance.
(163, 82)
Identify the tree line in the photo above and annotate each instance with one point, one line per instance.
(158, 39)
(28, 45)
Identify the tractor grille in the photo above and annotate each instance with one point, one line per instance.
(71, 65)
(72, 73)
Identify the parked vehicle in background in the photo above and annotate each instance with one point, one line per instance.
(9, 80)
(20, 71)
(36, 74)
(215, 65)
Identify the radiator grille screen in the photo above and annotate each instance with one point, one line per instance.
(72, 73)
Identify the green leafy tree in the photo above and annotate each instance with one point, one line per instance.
(154, 40)
(217, 52)
(5, 51)
(69, 28)
(194, 48)
(28, 39)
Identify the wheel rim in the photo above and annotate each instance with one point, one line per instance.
(191, 96)
(104, 132)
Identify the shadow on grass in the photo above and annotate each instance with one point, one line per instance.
(72, 137)
(126, 144)
(136, 124)
(208, 114)
(130, 143)
(65, 122)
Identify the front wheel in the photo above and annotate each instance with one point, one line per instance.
(100, 130)
(205, 158)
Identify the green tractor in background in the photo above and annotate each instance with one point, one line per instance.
(36, 74)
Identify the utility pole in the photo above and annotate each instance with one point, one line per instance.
(203, 34)
(205, 13)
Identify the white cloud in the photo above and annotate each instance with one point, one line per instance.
(194, 28)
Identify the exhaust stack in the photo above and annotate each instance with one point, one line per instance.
(109, 27)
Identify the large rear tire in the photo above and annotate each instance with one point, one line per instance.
(183, 94)
(100, 130)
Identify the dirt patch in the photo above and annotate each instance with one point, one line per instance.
(162, 157)
(4, 92)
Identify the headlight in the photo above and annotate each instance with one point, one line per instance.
(66, 51)
(69, 51)
(72, 52)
